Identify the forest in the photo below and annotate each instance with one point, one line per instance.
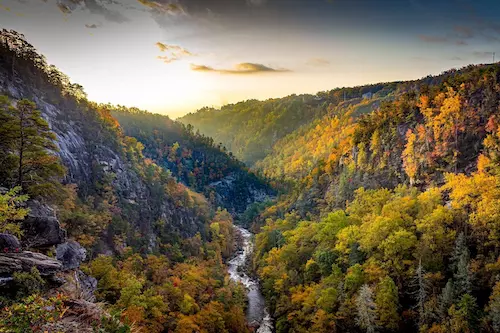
(155, 248)
(391, 222)
(371, 213)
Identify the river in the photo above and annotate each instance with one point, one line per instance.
(257, 313)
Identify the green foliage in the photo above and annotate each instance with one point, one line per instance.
(192, 158)
(155, 294)
(387, 301)
(10, 212)
(28, 283)
(31, 314)
(29, 148)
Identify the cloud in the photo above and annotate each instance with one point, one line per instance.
(433, 39)
(242, 68)
(442, 40)
(318, 62)
(174, 52)
(92, 26)
(463, 31)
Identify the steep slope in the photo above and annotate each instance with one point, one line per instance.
(194, 159)
(156, 249)
(95, 152)
(250, 129)
(394, 224)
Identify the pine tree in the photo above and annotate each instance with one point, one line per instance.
(366, 309)
(37, 168)
(446, 299)
(462, 274)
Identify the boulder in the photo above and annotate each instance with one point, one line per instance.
(71, 254)
(9, 243)
(11, 263)
(41, 227)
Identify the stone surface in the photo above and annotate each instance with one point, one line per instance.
(71, 254)
(41, 227)
(88, 285)
(25, 261)
(9, 243)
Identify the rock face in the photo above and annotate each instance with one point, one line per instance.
(90, 153)
(41, 227)
(9, 243)
(235, 193)
(88, 286)
(71, 254)
(11, 263)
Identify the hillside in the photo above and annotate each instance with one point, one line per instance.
(250, 129)
(96, 236)
(194, 159)
(391, 216)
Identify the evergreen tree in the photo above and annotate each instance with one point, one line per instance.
(386, 300)
(37, 169)
(446, 299)
(462, 274)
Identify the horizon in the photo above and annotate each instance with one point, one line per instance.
(176, 57)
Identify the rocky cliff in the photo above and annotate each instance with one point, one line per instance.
(90, 146)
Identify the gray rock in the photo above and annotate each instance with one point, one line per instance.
(25, 261)
(88, 285)
(5, 281)
(9, 243)
(71, 254)
(41, 227)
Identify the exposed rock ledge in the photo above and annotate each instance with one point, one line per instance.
(11, 263)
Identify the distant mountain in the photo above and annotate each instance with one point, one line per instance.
(250, 129)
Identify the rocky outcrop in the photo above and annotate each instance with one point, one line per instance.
(77, 285)
(70, 254)
(9, 243)
(41, 227)
(236, 192)
(11, 263)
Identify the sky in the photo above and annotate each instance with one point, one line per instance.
(176, 56)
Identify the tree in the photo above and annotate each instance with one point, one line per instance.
(386, 300)
(421, 285)
(366, 309)
(410, 162)
(464, 315)
(494, 307)
(37, 167)
(10, 212)
(462, 275)
(446, 299)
